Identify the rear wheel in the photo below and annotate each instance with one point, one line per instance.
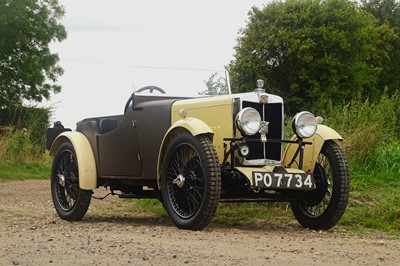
(323, 207)
(70, 201)
(191, 181)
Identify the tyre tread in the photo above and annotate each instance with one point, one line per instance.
(341, 187)
(210, 202)
(84, 196)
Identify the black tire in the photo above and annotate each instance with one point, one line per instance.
(323, 207)
(190, 181)
(70, 201)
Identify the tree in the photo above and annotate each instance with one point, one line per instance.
(28, 70)
(387, 12)
(309, 52)
(215, 85)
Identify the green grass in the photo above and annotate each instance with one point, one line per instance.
(20, 158)
(11, 170)
(375, 193)
(152, 206)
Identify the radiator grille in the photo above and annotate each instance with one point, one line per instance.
(273, 114)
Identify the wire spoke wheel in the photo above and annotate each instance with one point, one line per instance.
(190, 181)
(71, 202)
(323, 207)
(66, 184)
(317, 202)
(186, 167)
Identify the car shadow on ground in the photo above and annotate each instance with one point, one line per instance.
(164, 221)
(141, 219)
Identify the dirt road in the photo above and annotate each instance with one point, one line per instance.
(32, 234)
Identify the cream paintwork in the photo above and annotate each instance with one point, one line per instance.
(196, 112)
(215, 112)
(312, 151)
(193, 125)
(84, 156)
(200, 116)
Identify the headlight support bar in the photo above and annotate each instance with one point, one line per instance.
(233, 146)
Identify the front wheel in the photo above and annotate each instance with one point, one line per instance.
(191, 181)
(323, 207)
(70, 201)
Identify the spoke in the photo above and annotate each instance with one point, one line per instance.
(73, 191)
(173, 191)
(192, 203)
(190, 194)
(175, 166)
(185, 161)
(68, 167)
(195, 189)
(194, 166)
(62, 165)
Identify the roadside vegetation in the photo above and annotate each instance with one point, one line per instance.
(372, 144)
(20, 158)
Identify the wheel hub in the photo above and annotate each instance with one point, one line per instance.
(61, 180)
(179, 181)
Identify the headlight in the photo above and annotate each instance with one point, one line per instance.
(248, 121)
(304, 124)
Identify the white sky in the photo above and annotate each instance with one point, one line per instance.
(106, 38)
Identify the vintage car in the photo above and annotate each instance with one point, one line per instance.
(192, 153)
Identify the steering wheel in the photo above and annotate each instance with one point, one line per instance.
(132, 97)
(151, 89)
(128, 102)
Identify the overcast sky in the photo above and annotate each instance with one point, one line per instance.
(106, 39)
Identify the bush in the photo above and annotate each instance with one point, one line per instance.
(16, 145)
(366, 127)
(30, 121)
(371, 135)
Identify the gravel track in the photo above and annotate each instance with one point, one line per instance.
(32, 234)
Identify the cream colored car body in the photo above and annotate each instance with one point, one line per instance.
(312, 151)
(191, 116)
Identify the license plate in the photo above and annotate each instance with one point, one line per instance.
(297, 181)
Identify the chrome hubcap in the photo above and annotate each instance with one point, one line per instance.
(61, 180)
(179, 181)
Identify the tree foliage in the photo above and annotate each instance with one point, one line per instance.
(28, 69)
(387, 12)
(216, 85)
(311, 52)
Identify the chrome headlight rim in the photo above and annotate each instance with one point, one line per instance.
(304, 124)
(248, 121)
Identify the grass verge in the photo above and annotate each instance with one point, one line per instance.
(11, 170)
